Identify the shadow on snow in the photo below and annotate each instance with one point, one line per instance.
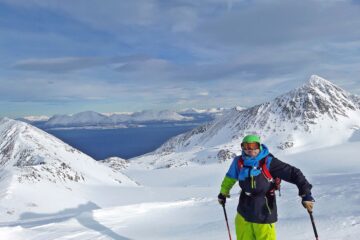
(83, 214)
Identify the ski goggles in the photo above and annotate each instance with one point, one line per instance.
(250, 146)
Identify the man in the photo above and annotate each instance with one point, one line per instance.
(256, 170)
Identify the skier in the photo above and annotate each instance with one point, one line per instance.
(256, 170)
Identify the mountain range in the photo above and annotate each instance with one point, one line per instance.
(297, 120)
(92, 119)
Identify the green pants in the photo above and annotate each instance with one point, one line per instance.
(253, 231)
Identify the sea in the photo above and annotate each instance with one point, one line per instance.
(121, 142)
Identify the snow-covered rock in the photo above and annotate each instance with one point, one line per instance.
(318, 114)
(116, 163)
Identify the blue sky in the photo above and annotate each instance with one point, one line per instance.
(68, 56)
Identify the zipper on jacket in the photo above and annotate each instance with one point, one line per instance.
(267, 205)
(252, 182)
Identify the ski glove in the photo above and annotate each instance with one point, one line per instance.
(308, 202)
(222, 199)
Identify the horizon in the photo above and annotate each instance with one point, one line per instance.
(65, 58)
(124, 113)
(28, 117)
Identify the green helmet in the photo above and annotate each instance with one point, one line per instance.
(252, 138)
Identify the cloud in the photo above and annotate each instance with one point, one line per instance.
(282, 22)
(185, 19)
(66, 90)
(150, 64)
(66, 64)
(175, 52)
(140, 12)
(203, 93)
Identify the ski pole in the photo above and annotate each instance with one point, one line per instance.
(226, 219)
(313, 224)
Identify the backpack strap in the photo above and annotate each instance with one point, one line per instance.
(264, 164)
(240, 163)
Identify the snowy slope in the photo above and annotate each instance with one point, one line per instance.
(293, 122)
(181, 204)
(32, 160)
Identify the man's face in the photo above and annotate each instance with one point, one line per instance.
(251, 149)
(252, 153)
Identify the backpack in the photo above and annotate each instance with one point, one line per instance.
(263, 164)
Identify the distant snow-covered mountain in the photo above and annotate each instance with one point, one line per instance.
(165, 115)
(316, 115)
(91, 118)
(79, 119)
(41, 118)
(203, 115)
(201, 111)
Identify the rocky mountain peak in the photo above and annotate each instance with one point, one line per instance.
(317, 81)
(317, 98)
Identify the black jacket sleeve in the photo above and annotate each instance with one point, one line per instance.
(290, 174)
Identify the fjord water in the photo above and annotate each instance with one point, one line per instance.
(122, 142)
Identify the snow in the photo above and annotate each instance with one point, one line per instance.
(180, 203)
(177, 198)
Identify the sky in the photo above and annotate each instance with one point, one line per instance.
(63, 57)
